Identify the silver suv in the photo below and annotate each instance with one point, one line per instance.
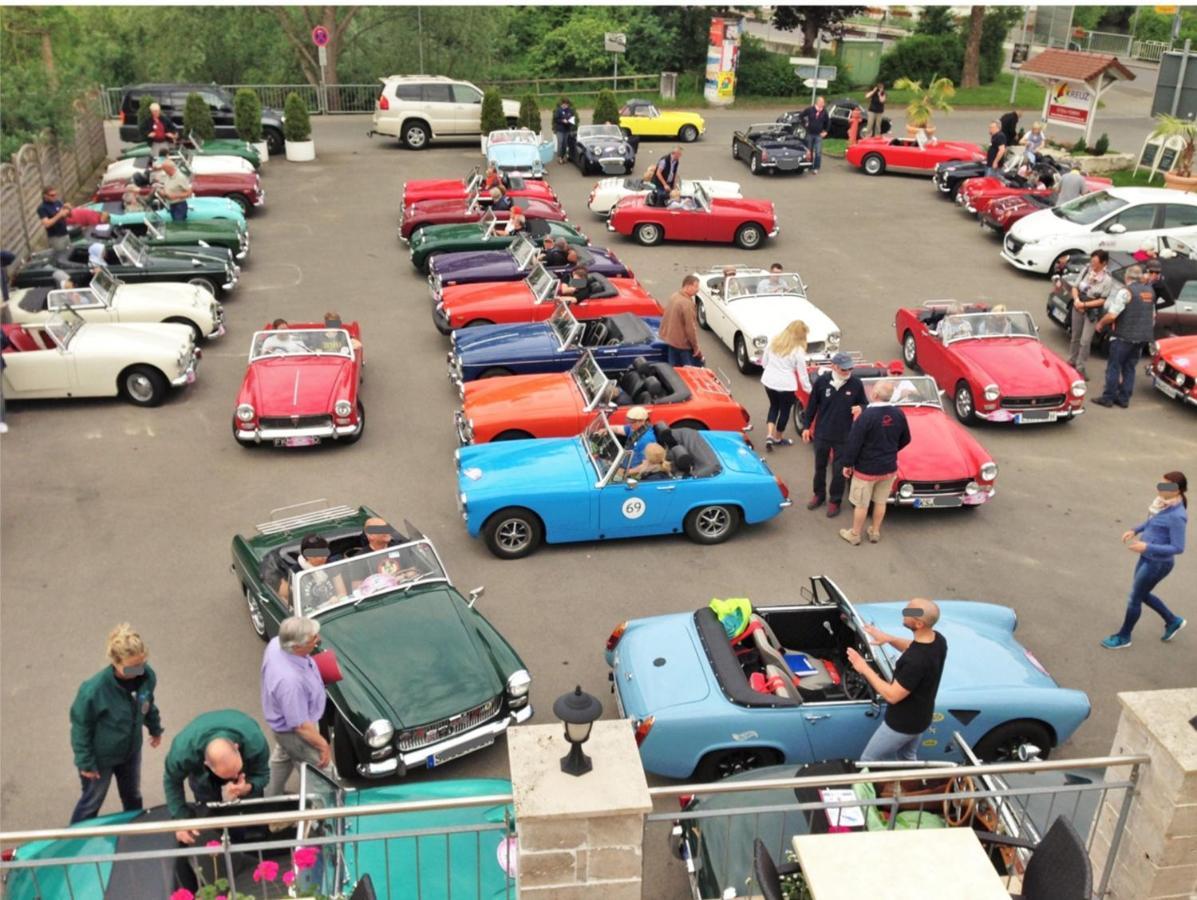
(418, 108)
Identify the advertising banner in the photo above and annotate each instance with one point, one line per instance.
(1069, 103)
(723, 54)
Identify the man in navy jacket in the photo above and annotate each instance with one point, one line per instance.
(835, 398)
(871, 460)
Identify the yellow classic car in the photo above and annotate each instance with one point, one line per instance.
(643, 119)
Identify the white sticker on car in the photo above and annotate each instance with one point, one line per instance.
(633, 508)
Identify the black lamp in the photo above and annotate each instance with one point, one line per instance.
(578, 711)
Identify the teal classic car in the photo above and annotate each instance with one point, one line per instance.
(157, 230)
(199, 209)
(215, 147)
(425, 677)
(465, 853)
(485, 234)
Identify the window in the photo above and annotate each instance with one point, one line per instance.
(1136, 218)
(463, 93)
(215, 101)
(408, 92)
(437, 93)
(1180, 215)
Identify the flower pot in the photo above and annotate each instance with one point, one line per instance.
(263, 148)
(1176, 182)
(300, 151)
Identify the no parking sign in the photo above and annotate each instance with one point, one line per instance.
(319, 35)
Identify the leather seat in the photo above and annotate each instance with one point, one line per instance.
(650, 391)
(664, 435)
(681, 460)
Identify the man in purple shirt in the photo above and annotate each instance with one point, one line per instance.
(293, 701)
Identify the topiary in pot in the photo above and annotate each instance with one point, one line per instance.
(492, 112)
(606, 109)
(143, 112)
(247, 115)
(1080, 147)
(197, 118)
(529, 113)
(1102, 146)
(298, 126)
(934, 98)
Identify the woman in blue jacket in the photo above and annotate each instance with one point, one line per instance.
(1158, 541)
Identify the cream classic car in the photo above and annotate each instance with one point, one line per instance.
(609, 191)
(108, 299)
(125, 169)
(747, 309)
(68, 357)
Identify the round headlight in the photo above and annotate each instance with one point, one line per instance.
(1160, 366)
(1079, 389)
(989, 471)
(972, 488)
(245, 412)
(833, 340)
(906, 491)
(343, 408)
(519, 683)
(760, 342)
(992, 392)
(379, 734)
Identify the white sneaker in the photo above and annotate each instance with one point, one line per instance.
(3, 428)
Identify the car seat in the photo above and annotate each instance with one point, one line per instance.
(597, 334)
(650, 391)
(20, 340)
(681, 460)
(642, 366)
(630, 383)
(664, 435)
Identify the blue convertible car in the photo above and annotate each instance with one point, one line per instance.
(688, 690)
(520, 494)
(556, 345)
(514, 263)
(520, 151)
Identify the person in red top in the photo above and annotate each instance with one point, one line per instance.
(158, 131)
(86, 218)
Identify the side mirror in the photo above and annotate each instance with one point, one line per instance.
(631, 484)
(474, 595)
(1116, 228)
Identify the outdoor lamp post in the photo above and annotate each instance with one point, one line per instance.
(578, 711)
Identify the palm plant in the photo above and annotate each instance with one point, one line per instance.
(928, 101)
(1186, 130)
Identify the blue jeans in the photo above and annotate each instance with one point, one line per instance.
(178, 211)
(680, 357)
(128, 784)
(816, 146)
(1120, 370)
(887, 744)
(562, 144)
(1148, 573)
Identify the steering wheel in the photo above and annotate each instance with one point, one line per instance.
(958, 812)
(612, 342)
(855, 686)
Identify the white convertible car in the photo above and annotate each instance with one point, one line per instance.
(68, 357)
(747, 309)
(108, 299)
(125, 169)
(609, 191)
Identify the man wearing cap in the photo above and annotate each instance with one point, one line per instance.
(293, 701)
(678, 330)
(910, 697)
(1130, 314)
(638, 434)
(836, 398)
(871, 460)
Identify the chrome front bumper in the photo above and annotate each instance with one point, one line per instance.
(1029, 416)
(1170, 390)
(465, 431)
(946, 500)
(459, 745)
(188, 376)
(257, 435)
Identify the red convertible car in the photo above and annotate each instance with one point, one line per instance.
(471, 209)
(877, 155)
(301, 387)
(1173, 369)
(243, 188)
(977, 194)
(535, 298)
(459, 188)
(720, 220)
(1003, 213)
(992, 363)
(560, 404)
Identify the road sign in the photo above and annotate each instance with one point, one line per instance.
(1021, 52)
(817, 83)
(821, 73)
(615, 42)
(804, 61)
(320, 35)
(1167, 10)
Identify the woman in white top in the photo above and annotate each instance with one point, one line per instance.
(784, 362)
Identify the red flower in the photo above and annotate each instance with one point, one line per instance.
(288, 878)
(305, 857)
(182, 894)
(267, 870)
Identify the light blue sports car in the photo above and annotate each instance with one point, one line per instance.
(520, 151)
(199, 209)
(520, 494)
(697, 715)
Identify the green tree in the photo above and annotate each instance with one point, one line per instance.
(606, 108)
(492, 112)
(812, 20)
(297, 26)
(530, 113)
(143, 112)
(298, 126)
(247, 115)
(197, 118)
(936, 20)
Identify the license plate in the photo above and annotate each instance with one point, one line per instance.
(1057, 314)
(439, 759)
(1036, 415)
(298, 442)
(937, 502)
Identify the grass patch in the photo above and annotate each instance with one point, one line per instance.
(1129, 178)
(988, 96)
(835, 147)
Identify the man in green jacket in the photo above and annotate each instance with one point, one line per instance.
(107, 717)
(223, 756)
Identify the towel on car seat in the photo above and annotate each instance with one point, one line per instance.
(733, 614)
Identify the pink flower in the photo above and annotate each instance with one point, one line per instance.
(305, 857)
(267, 870)
(182, 894)
(288, 878)
(212, 844)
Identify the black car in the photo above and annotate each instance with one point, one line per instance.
(773, 147)
(839, 114)
(602, 148)
(173, 97)
(949, 176)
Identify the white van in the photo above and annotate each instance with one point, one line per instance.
(418, 108)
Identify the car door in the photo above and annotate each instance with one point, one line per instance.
(467, 109)
(37, 373)
(1125, 229)
(632, 511)
(934, 358)
(1180, 220)
(172, 103)
(1179, 317)
(440, 109)
(839, 729)
(720, 313)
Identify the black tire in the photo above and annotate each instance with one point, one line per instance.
(242, 201)
(275, 142)
(754, 164)
(873, 164)
(964, 404)
(743, 362)
(719, 764)
(512, 434)
(344, 753)
(910, 353)
(257, 618)
(496, 372)
(712, 524)
(735, 149)
(691, 423)
(474, 323)
(416, 134)
(750, 236)
(513, 533)
(649, 234)
(196, 334)
(142, 386)
(999, 745)
(701, 313)
(361, 417)
(687, 134)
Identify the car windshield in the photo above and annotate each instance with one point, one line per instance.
(513, 136)
(591, 380)
(827, 591)
(64, 326)
(488, 223)
(787, 283)
(472, 180)
(543, 284)
(131, 251)
(367, 575)
(104, 285)
(523, 251)
(301, 342)
(970, 326)
(703, 196)
(603, 446)
(908, 390)
(563, 324)
(613, 132)
(155, 226)
(1088, 209)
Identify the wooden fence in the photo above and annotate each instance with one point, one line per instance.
(68, 166)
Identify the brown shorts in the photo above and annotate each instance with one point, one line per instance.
(862, 492)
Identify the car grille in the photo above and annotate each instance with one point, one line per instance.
(814, 348)
(1015, 247)
(928, 488)
(295, 421)
(417, 738)
(1049, 402)
(1173, 375)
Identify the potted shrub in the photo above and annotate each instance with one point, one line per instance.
(926, 102)
(529, 116)
(297, 130)
(1180, 178)
(197, 118)
(606, 108)
(143, 113)
(247, 119)
(492, 115)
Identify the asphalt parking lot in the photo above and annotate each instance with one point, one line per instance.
(113, 513)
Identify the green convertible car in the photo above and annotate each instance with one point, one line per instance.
(215, 147)
(158, 230)
(424, 677)
(485, 234)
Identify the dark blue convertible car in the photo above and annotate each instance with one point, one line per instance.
(486, 351)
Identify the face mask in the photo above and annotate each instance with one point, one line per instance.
(133, 671)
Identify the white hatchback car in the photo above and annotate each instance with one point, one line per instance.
(609, 191)
(1110, 219)
(748, 309)
(419, 108)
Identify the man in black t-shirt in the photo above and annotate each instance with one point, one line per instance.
(910, 697)
(997, 148)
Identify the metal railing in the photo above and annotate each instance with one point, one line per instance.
(1024, 811)
(1151, 51)
(1108, 42)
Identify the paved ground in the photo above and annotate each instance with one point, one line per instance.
(111, 513)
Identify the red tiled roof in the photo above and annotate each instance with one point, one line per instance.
(1076, 65)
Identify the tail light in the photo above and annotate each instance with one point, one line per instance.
(643, 727)
(383, 102)
(613, 640)
(684, 801)
(781, 486)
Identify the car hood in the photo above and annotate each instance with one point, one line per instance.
(659, 663)
(450, 265)
(522, 399)
(415, 653)
(768, 315)
(680, 117)
(742, 205)
(1180, 353)
(987, 185)
(1045, 224)
(511, 467)
(532, 340)
(605, 146)
(132, 339)
(220, 165)
(141, 295)
(939, 449)
(486, 294)
(1021, 367)
(288, 387)
(507, 155)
